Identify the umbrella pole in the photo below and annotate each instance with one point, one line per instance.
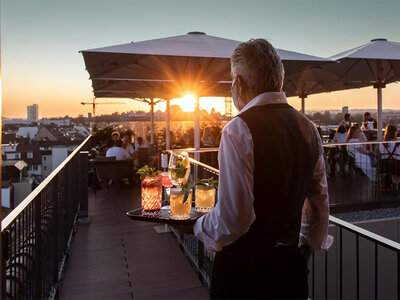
(167, 126)
(303, 102)
(197, 126)
(152, 121)
(379, 113)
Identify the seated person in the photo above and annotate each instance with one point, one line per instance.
(340, 135)
(141, 143)
(127, 145)
(363, 157)
(390, 155)
(117, 151)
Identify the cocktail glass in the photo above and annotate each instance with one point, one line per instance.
(180, 210)
(205, 198)
(151, 195)
(167, 184)
(179, 168)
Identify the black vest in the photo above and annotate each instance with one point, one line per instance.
(285, 154)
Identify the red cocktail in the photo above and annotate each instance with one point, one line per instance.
(151, 195)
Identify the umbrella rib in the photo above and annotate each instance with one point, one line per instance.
(394, 70)
(371, 70)
(348, 70)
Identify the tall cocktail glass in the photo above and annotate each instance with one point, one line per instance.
(167, 184)
(151, 195)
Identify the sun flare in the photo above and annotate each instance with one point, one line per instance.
(186, 103)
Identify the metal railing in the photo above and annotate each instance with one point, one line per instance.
(360, 265)
(36, 235)
(330, 271)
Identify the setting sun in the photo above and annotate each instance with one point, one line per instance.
(186, 103)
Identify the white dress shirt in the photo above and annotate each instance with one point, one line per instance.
(118, 152)
(234, 212)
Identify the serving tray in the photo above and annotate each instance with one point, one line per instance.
(162, 217)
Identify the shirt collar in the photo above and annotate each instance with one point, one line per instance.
(266, 98)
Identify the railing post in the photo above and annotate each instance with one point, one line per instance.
(200, 251)
(38, 246)
(56, 228)
(83, 187)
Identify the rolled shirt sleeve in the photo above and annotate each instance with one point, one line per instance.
(315, 214)
(234, 212)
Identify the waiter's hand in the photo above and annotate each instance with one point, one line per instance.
(185, 228)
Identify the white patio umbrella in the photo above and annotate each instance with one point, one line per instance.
(172, 67)
(376, 63)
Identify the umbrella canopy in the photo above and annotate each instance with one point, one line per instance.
(376, 63)
(170, 67)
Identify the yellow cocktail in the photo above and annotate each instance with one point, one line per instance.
(178, 209)
(205, 198)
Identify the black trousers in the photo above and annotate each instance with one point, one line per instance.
(278, 273)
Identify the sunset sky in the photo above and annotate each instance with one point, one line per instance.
(41, 40)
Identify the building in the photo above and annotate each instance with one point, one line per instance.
(27, 132)
(33, 112)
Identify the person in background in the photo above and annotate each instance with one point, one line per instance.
(141, 143)
(117, 151)
(390, 156)
(127, 145)
(340, 135)
(362, 156)
(369, 123)
(346, 121)
(114, 137)
(207, 138)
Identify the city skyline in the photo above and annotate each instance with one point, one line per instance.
(41, 41)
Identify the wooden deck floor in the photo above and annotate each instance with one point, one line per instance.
(114, 257)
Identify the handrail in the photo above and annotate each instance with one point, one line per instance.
(196, 162)
(16, 211)
(358, 143)
(385, 242)
(328, 145)
(194, 150)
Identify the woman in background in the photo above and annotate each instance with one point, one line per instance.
(361, 155)
(390, 156)
(340, 135)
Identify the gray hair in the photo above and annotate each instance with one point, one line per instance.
(259, 65)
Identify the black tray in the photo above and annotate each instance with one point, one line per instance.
(163, 217)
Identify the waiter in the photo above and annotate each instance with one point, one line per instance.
(273, 196)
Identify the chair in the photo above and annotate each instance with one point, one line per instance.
(108, 168)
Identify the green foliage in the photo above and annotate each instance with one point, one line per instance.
(208, 182)
(147, 171)
(180, 168)
(186, 187)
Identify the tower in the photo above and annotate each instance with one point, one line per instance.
(228, 107)
(33, 112)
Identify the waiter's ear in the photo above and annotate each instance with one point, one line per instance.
(242, 87)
